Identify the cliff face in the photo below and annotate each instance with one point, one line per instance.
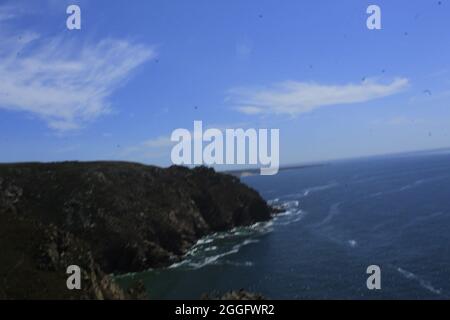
(108, 217)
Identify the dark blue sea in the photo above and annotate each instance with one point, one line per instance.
(341, 217)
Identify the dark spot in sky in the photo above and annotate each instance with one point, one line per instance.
(428, 92)
(406, 33)
(439, 3)
(196, 108)
(429, 134)
(156, 60)
(310, 66)
(260, 16)
(383, 71)
(118, 146)
(363, 79)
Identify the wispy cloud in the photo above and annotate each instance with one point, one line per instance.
(160, 142)
(398, 121)
(62, 82)
(295, 98)
(7, 12)
(149, 149)
(161, 145)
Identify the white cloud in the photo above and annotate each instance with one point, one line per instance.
(149, 149)
(62, 82)
(6, 16)
(295, 98)
(160, 142)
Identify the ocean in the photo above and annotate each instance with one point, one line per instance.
(340, 218)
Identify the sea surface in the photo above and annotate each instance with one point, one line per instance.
(391, 211)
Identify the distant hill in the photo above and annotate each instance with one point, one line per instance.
(256, 171)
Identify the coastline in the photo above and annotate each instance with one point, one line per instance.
(114, 217)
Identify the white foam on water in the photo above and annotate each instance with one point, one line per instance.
(333, 211)
(211, 260)
(330, 185)
(204, 241)
(289, 217)
(306, 192)
(238, 264)
(406, 187)
(419, 220)
(291, 212)
(412, 185)
(211, 249)
(208, 260)
(276, 200)
(423, 283)
(178, 264)
(352, 243)
(246, 242)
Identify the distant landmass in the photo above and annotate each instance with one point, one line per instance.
(108, 218)
(256, 171)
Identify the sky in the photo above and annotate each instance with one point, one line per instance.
(138, 70)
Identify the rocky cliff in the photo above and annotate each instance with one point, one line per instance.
(108, 217)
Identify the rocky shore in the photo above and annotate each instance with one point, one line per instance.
(108, 218)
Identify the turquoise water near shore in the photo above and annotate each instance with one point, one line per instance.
(339, 219)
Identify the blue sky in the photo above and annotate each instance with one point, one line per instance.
(137, 70)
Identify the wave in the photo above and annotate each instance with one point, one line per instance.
(193, 264)
(284, 205)
(292, 213)
(212, 249)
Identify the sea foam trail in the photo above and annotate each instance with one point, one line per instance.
(381, 176)
(415, 184)
(333, 211)
(423, 283)
(421, 219)
(306, 192)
